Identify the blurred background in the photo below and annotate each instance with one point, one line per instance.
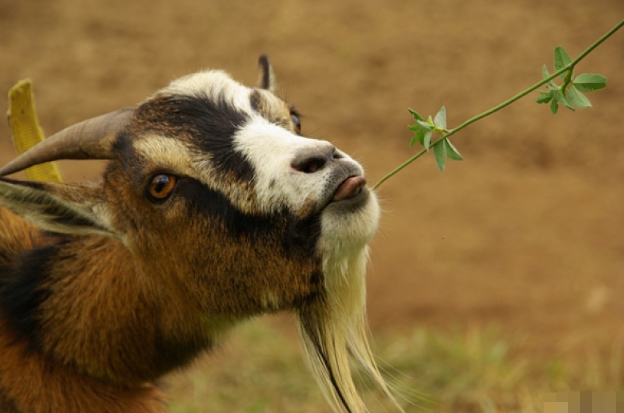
(524, 235)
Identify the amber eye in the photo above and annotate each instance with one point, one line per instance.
(294, 117)
(161, 187)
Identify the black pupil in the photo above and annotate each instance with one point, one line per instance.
(160, 182)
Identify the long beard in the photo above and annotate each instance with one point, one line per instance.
(333, 329)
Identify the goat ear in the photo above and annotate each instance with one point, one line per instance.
(65, 208)
(266, 78)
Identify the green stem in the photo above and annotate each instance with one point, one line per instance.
(508, 102)
(566, 82)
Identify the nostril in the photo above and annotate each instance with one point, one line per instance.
(312, 165)
(314, 159)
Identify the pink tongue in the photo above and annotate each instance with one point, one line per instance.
(349, 188)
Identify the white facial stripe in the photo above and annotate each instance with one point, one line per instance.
(171, 154)
(215, 84)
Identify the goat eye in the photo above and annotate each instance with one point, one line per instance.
(294, 117)
(161, 187)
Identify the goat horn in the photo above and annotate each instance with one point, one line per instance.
(90, 139)
(266, 78)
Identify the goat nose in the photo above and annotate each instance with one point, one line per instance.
(314, 159)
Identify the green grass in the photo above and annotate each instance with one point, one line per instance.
(259, 370)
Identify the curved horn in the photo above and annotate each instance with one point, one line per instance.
(90, 139)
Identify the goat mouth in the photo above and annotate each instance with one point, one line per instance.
(351, 193)
(349, 188)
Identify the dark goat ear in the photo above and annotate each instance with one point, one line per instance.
(266, 78)
(66, 208)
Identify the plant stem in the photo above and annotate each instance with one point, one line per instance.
(566, 82)
(508, 102)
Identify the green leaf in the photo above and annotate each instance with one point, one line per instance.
(427, 139)
(544, 98)
(416, 115)
(424, 124)
(561, 60)
(554, 106)
(452, 151)
(439, 152)
(577, 98)
(421, 136)
(414, 128)
(563, 100)
(545, 74)
(418, 137)
(440, 118)
(588, 82)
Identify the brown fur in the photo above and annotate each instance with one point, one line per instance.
(16, 236)
(35, 382)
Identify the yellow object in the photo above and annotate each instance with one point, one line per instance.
(26, 131)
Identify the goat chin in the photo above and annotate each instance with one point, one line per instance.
(212, 209)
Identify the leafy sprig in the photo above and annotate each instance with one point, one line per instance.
(570, 94)
(424, 131)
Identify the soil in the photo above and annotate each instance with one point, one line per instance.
(525, 233)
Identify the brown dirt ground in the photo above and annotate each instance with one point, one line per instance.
(526, 233)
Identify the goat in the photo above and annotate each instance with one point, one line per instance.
(212, 209)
